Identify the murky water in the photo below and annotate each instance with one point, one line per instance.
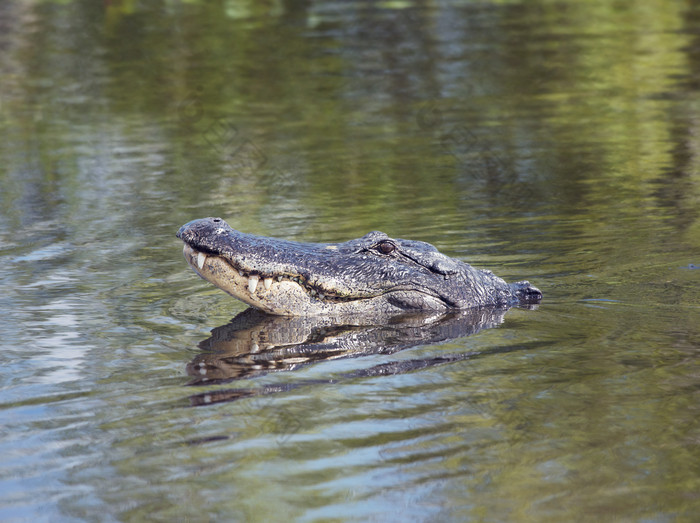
(552, 141)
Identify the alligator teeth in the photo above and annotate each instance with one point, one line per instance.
(201, 258)
(268, 283)
(253, 283)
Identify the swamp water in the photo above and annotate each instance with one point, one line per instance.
(549, 141)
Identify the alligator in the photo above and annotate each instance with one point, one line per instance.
(370, 275)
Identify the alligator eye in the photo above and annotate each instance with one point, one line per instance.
(386, 247)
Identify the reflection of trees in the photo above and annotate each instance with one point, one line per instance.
(676, 185)
(536, 102)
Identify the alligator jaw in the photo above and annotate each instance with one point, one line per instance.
(263, 292)
(285, 295)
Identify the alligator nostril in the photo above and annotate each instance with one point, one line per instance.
(217, 220)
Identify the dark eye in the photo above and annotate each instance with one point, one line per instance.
(386, 247)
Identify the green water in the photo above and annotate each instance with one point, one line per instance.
(550, 141)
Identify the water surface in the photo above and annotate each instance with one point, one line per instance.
(549, 141)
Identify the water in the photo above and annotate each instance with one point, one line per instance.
(549, 141)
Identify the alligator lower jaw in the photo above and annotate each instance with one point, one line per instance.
(277, 294)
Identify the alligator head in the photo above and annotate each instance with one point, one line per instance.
(372, 274)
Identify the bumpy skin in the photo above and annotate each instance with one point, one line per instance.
(372, 274)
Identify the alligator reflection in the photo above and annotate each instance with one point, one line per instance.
(255, 343)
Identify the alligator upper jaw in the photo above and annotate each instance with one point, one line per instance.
(274, 293)
(287, 294)
(216, 267)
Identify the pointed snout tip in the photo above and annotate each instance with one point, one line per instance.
(200, 222)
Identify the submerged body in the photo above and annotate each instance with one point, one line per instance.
(369, 275)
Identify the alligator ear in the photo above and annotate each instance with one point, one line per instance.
(429, 257)
(444, 265)
(411, 301)
(434, 260)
